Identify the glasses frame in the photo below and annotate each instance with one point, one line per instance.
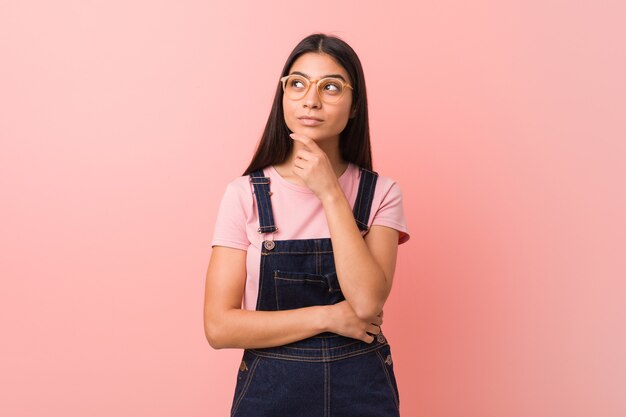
(344, 85)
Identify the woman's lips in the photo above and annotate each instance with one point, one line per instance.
(309, 121)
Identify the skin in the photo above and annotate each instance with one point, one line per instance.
(365, 266)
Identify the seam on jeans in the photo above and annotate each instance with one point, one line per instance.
(280, 273)
(276, 291)
(336, 347)
(266, 212)
(266, 217)
(393, 391)
(299, 358)
(258, 192)
(301, 280)
(326, 382)
(370, 198)
(318, 258)
(297, 253)
(261, 196)
(357, 205)
(260, 292)
(244, 389)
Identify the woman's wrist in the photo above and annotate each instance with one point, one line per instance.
(332, 196)
(324, 318)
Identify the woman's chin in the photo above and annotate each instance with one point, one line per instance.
(314, 134)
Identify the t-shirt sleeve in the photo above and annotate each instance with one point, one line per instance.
(390, 213)
(230, 226)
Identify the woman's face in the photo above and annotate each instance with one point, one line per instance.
(331, 118)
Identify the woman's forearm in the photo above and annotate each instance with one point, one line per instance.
(247, 329)
(362, 280)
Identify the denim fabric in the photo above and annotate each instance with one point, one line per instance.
(327, 375)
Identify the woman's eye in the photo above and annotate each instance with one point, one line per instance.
(297, 84)
(332, 87)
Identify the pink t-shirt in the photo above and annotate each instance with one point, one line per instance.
(298, 214)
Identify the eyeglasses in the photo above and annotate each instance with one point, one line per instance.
(330, 90)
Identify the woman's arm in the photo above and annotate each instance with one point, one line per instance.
(226, 325)
(365, 267)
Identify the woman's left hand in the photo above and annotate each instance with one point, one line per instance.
(312, 165)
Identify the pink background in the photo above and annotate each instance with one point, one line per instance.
(504, 123)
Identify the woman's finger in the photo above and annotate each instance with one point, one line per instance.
(304, 154)
(306, 141)
(372, 329)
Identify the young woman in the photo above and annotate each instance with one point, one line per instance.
(308, 238)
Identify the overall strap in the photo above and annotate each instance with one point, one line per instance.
(262, 194)
(364, 198)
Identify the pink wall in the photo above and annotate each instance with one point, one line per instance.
(503, 122)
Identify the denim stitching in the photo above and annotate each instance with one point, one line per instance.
(393, 391)
(270, 212)
(276, 290)
(357, 205)
(261, 196)
(261, 280)
(370, 197)
(253, 368)
(299, 280)
(328, 348)
(261, 187)
(297, 253)
(258, 180)
(326, 358)
(326, 381)
(259, 199)
(362, 212)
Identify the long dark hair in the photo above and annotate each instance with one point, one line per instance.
(354, 141)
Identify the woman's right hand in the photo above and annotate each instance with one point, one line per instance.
(342, 320)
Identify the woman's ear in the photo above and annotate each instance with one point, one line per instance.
(353, 113)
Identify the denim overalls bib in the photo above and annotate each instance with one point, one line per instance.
(327, 375)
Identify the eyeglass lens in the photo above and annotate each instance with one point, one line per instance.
(329, 89)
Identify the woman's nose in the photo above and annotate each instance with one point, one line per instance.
(312, 98)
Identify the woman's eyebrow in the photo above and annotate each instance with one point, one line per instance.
(325, 76)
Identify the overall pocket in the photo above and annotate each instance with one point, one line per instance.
(300, 289)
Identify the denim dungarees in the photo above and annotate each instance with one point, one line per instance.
(327, 375)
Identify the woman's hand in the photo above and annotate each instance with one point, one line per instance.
(342, 320)
(312, 165)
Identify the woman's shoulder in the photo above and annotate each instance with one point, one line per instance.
(384, 183)
(387, 206)
(241, 183)
(239, 190)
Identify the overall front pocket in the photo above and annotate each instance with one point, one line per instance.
(299, 289)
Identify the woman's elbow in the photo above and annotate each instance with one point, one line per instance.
(368, 310)
(213, 334)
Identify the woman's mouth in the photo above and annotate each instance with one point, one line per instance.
(309, 121)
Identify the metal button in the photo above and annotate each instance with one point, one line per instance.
(380, 338)
(269, 244)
